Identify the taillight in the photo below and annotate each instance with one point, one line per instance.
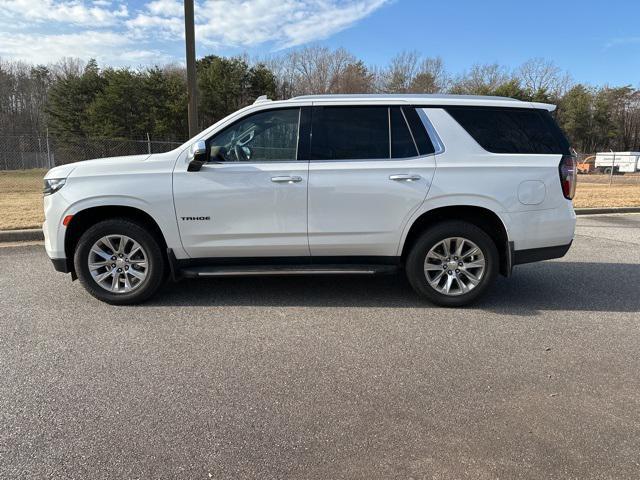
(568, 175)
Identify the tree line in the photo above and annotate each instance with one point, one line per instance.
(74, 100)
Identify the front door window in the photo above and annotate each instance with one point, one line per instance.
(267, 136)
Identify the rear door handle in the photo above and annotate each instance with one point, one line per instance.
(286, 179)
(404, 177)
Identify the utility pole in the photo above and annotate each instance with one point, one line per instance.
(189, 30)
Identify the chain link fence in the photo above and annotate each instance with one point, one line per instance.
(22, 152)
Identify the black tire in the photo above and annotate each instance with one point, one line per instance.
(416, 259)
(155, 259)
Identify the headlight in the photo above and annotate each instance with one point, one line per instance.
(52, 185)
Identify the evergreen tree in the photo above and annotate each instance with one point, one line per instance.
(69, 101)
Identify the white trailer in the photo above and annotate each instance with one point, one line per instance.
(620, 162)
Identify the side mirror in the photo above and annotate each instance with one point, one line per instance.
(197, 156)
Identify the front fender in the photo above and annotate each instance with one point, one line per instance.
(161, 212)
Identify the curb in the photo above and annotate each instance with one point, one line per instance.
(35, 234)
(30, 235)
(602, 211)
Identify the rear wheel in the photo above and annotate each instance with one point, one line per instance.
(119, 262)
(452, 263)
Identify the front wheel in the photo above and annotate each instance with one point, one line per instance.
(119, 262)
(452, 263)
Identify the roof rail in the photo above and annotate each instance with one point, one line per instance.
(262, 99)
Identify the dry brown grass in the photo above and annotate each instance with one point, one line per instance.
(21, 195)
(21, 199)
(595, 191)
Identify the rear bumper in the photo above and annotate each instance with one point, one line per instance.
(518, 257)
(61, 265)
(537, 229)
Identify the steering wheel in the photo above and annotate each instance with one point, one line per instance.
(241, 155)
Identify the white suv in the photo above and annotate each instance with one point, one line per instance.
(452, 189)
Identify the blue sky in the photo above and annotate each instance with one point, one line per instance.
(594, 41)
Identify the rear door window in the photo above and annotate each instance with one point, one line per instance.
(347, 133)
(512, 130)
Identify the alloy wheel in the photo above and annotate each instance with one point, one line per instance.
(118, 263)
(454, 266)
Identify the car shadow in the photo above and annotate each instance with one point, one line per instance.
(556, 285)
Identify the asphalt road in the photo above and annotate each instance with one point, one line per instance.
(328, 377)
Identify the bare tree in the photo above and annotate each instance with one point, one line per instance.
(399, 75)
(67, 67)
(407, 73)
(623, 110)
(284, 72)
(431, 77)
(23, 96)
(319, 70)
(481, 80)
(540, 75)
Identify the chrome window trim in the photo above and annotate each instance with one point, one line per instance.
(438, 146)
(298, 132)
(389, 125)
(370, 159)
(257, 162)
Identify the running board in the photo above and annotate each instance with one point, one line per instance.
(248, 270)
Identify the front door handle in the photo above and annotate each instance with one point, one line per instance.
(286, 179)
(406, 177)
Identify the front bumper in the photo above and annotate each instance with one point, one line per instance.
(55, 208)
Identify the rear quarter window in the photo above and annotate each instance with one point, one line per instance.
(512, 130)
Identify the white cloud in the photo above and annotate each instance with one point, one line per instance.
(69, 12)
(319, 23)
(45, 30)
(247, 23)
(152, 25)
(166, 8)
(107, 47)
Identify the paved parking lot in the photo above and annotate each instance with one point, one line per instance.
(328, 377)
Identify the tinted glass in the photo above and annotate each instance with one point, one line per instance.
(262, 137)
(342, 133)
(402, 145)
(425, 147)
(511, 130)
